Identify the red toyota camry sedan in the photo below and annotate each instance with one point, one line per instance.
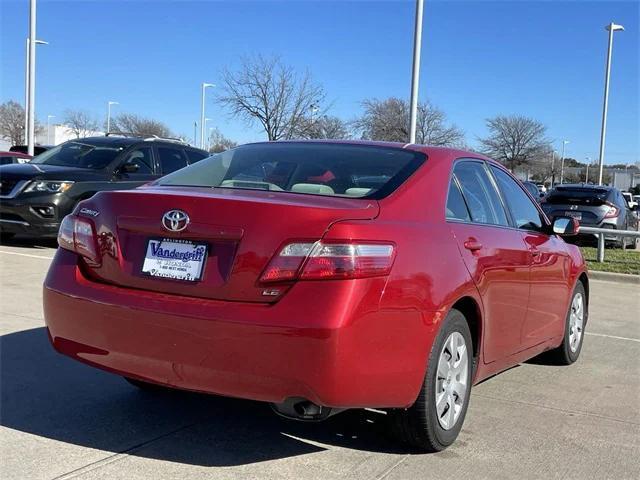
(321, 276)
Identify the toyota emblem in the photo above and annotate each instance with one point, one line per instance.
(175, 220)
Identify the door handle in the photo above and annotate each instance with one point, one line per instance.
(473, 245)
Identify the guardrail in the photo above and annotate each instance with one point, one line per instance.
(602, 232)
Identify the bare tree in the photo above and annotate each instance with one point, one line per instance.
(266, 91)
(219, 143)
(12, 122)
(514, 140)
(388, 120)
(324, 127)
(136, 125)
(81, 123)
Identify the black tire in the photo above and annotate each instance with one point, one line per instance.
(418, 426)
(564, 354)
(6, 236)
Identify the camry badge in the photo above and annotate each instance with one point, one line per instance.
(175, 220)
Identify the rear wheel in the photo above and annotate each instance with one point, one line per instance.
(569, 350)
(434, 421)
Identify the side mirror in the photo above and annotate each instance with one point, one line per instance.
(566, 226)
(130, 167)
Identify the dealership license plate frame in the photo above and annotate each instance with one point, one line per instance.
(148, 260)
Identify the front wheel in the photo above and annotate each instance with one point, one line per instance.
(434, 421)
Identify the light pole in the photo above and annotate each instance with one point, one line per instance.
(586, 177)
(553, 168)
(205, 138)
(415, 77)
(202, 127)
(26, 88)
(31, 114)
(612, 27)
(211, 129)
(109, 115)
(195, 134)
(49, 117)
(564, 142)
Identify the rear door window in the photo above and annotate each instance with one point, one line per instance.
(480, 193)
(195, 156)
(456, 207)
(171, 159)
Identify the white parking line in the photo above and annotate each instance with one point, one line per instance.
(614, 336)
(26, 255)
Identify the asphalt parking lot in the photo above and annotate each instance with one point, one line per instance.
(61, 419)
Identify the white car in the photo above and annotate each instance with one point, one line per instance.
(632, 200)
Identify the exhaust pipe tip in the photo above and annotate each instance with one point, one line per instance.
(298, 408)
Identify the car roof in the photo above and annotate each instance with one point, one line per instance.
(585, 186)
(122, 141)
(431, 151)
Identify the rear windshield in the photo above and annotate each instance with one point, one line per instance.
(309, 168)
(578, 196)
(79, 154)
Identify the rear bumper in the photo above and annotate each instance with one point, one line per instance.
(327, 342)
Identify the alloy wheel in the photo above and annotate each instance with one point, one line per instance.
(576, 322)
(451, 381)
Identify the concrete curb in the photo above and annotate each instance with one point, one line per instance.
(615, 277)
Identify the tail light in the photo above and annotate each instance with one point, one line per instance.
(325, 261)
(612, 212)
(79, 236)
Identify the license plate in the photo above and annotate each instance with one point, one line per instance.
(175, 259)
(576, 215)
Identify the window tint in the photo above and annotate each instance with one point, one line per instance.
(305, 168)
(143, 158)
(456, 208)
(524, 212)
(171, 159)
(195, 156)
(480, 194)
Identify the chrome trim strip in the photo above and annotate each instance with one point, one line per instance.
(18, 187)
(15, 222)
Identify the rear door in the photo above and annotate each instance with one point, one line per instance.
(550, 263)
(495, 255)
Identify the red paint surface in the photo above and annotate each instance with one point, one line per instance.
(342, 343)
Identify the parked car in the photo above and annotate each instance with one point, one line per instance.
(35, 197)
(631, 202)
(8, 158)
(37, 149)
(532, 188)
(270, 272)
(593, 206)
(542, 189)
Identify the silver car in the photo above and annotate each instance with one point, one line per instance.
(593, 206)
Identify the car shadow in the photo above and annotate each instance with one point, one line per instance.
(46, 394)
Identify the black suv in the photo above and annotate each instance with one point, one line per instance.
(35, 196)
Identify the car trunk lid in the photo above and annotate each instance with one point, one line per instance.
(241, 229)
